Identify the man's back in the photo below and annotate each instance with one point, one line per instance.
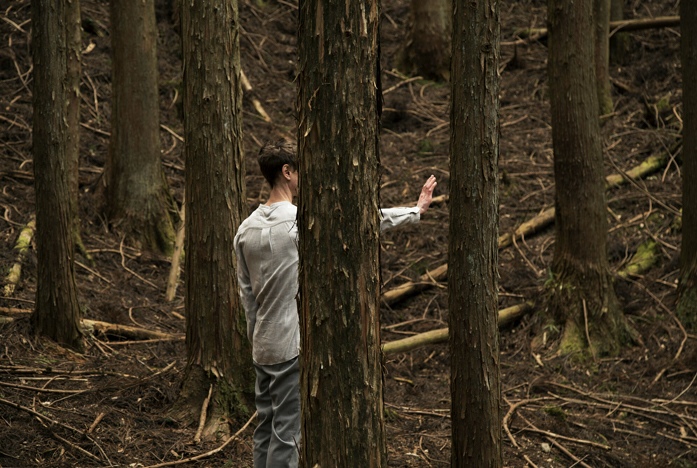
(267, 256)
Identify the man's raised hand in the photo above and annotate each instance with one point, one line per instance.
(426, 194)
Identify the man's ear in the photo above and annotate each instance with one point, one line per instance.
(286, 171)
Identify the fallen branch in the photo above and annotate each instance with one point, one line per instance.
(536, 34)
(257, 105)
(176, 258)
(649, 166)
(22, 247)
(207, 454)
(103, 328)
(505, 317)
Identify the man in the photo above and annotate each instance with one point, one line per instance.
(266, 246)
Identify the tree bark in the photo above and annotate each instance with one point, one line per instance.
(582, 299)
(74, 70)
(601, 11)
(218, 352)
(341, 362)
(57, 314)
(475, 383)
(619, 41)
(427, 50)
(687, 285)
(137, 194)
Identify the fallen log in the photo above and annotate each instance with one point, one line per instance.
(647, 167)
(97, 327)
(536, 34)
(22, 247)
(173, 278)
(505, 317)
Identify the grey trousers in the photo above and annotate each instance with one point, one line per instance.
(277, 436)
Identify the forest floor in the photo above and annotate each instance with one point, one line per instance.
(107, 407)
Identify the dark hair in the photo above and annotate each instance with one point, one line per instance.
(273, 156)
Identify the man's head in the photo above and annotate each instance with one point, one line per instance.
(274, 157)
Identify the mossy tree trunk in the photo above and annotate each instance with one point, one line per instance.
(601, 12)
(137, 194)
(582, 301)
(341, 361)
(57, 314)
(475, 382)
(427, 49)
(687, 302)
(218, 352)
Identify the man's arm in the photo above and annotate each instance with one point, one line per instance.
(393, 217)
(249, 301)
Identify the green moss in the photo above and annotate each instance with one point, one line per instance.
(555, 411)
(425, 147)
(644, 258)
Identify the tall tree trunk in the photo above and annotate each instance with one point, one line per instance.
(137, 192)
(427, 50)
(218, 352)
(74, 51)
(581, 294)
(619, 42)
(601, 13)
(687, 302)
(57, 314)
(341, 362)
(473, 247)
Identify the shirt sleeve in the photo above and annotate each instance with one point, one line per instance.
(249, 301)
(393, 217)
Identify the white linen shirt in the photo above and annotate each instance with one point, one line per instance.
(266, 246)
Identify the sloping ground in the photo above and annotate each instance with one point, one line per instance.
(106, 407)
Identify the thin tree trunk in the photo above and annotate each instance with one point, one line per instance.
(582, 299)
(341, 362)
(218, 352)
(475, 383)
(687, 302)
(137, 194)
(57, 314)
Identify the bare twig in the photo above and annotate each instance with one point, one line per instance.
(204, 415)
(207, 454)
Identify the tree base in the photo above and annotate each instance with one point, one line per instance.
(226, 404)
(584, 322)
(687, 308)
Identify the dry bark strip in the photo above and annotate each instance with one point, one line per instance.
(649, 166)
(505, 317)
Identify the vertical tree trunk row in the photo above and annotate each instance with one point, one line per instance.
(687, 303)
(218, 352)
(57, 314)
(137, 192)
(473, 247)
(341, 363)
(581, 293)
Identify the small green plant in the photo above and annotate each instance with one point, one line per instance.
(555, 411)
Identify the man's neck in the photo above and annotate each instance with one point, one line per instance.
(280, 194)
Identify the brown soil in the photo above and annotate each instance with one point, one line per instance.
(636, 410)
